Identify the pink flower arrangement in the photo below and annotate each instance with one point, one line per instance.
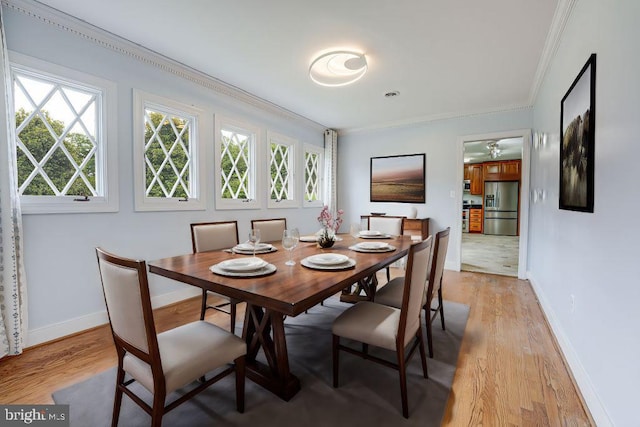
(328, 222)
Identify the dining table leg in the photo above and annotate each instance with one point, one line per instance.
(364, 290)
(264, 329)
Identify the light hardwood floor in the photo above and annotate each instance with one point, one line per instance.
(510, 371)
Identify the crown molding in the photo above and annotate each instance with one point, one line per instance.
(554, 36)
(433, 118)
(113, 42)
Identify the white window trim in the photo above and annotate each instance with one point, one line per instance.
(274, 137)
(243, 127)
(142, 100)
(308, 148)
(108, 149)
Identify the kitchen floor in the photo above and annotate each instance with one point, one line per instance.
(490, 254)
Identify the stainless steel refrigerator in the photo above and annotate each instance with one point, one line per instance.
(501, 208)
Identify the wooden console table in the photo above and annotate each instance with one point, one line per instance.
(412, 226)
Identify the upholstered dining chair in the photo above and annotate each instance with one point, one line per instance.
(165, 362)
(395, 329)
(213, 236)
(392, 225)
(391, 293)
(270, 229)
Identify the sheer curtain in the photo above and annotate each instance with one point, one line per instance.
(330, 170)
(13, 288)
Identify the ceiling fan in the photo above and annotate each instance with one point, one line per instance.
(494, 149)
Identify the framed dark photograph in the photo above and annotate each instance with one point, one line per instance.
(398, 178)
(577, 146)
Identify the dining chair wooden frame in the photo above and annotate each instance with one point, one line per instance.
(270, 229)
(391, 293)
(373, 324)
(435, 284)
(137, 343)
(210, 236)
(381, 219)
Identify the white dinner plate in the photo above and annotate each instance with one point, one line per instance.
(373, 246)
(311, 238)
(328, 259)
(387, 248)
(349, 263)
(375, 236)
(243, 264)
(249, 247)
(264, 271)
(370, 233)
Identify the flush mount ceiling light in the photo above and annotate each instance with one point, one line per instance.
(338, 68)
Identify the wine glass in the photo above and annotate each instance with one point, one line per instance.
(290, 240)
(355, 230)
(254, 239)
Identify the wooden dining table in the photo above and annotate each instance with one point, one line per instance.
(289, 291)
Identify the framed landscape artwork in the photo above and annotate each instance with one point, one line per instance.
(398, 178)
(577, 128)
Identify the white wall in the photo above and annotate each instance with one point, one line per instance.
(64, 293)
(593, 258)
(439, 140)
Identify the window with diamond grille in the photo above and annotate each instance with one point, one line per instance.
(281, 170)
(313, 167)
(56, 137)
(60, 146)
(166, 154)
(236, 164)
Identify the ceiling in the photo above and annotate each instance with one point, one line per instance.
(446, 58)
(478, 152)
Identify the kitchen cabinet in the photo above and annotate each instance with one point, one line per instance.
(467, 172)
(475, 220)
(507, 170)
(476, 179)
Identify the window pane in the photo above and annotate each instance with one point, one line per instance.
(167, 154)
(235, 159)
(311, 176)
(56, 128)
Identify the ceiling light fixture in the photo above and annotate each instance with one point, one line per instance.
(494, 150)
(338, 68)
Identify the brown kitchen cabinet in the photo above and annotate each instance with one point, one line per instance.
(476, 179)
(507, 170)
(475, 220)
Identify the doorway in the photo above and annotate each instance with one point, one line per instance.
(494, 203)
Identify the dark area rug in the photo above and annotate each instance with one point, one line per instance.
(369, 394)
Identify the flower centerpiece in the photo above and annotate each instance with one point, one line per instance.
(330, 226)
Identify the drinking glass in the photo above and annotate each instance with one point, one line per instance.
(355, 231)
(290, 240)
(254, 239)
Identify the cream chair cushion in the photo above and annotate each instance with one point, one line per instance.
(122, 295)
(373, 324)
(270, 230)
(391, 226)
(186, 352)
(211, 237)
(391, 293)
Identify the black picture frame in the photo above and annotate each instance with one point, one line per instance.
(398, 178)
(577, 141)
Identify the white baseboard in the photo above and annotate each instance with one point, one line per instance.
(78, 324)
(583, 381)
